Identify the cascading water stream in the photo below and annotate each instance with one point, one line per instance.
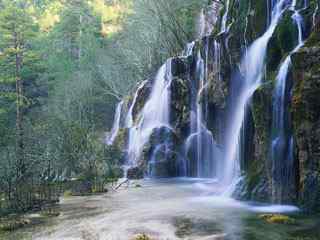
(116, 125)
(155, 114)
(199, 123)
(225, 17)
(188, 50)
(207, 19)
(201, 24)
(253, 68)
(314, 16)
(282, 140)
(129, 118)
(217, 59)
(200, 140)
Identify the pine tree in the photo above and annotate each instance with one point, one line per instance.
(17, 30)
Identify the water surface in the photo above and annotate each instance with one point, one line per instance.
(168, 210)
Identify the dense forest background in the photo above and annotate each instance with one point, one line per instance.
(63, 66)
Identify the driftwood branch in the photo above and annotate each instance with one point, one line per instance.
(120, 184)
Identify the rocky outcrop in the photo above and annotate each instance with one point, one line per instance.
(306, 119)
(161, 155)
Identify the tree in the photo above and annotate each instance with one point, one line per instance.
(17, 59)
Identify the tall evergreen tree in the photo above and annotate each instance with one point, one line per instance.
(17, 30)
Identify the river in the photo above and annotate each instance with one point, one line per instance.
(169, 209)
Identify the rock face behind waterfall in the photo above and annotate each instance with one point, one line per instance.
(306, 119)
(165, 154)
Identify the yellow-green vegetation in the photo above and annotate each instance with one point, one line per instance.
(142, 236)
(112, 15)
(7, 225)
(67, 193)
(277, 218)
(50, 16)
(50, 212)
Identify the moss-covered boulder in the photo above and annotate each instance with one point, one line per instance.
(12, 224)
(277, 218)
(142, 236)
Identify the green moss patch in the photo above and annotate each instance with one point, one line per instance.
(9, 225)
(277, 218)
(142, 236)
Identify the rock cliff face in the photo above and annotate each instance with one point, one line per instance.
(306, 119)
(210, 90)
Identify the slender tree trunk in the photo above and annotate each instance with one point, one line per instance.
(19, 111)
(80, 36)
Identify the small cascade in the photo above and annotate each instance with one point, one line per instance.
(201, 149)
(225, 17)
(188, 50)
(155, 114)
(129, 118)
(314, 16)
(201, 24)
(282, 140)
(252, 65)
(207, 19)
(217, 59)
(116, 125)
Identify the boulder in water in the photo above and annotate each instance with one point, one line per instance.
(160, 155)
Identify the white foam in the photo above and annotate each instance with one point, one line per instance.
(274, 208)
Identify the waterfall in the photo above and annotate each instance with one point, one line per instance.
(155, 114)
(129, 118)
(116, 125)
(282, 140)
(225, 17)
(188, 50)
(201, 24)
(314, 16)
(207, 19)
(203, 156)
(217, 59)
(252, 65)
(199, 119)
(200, 143)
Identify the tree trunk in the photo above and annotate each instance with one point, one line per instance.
(19, 111)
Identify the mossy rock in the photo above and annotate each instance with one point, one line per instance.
(141, 100)
(142, 236)
(8, 225)
(183, 227)
(50, 213)
(67, 193)
(277, 218)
